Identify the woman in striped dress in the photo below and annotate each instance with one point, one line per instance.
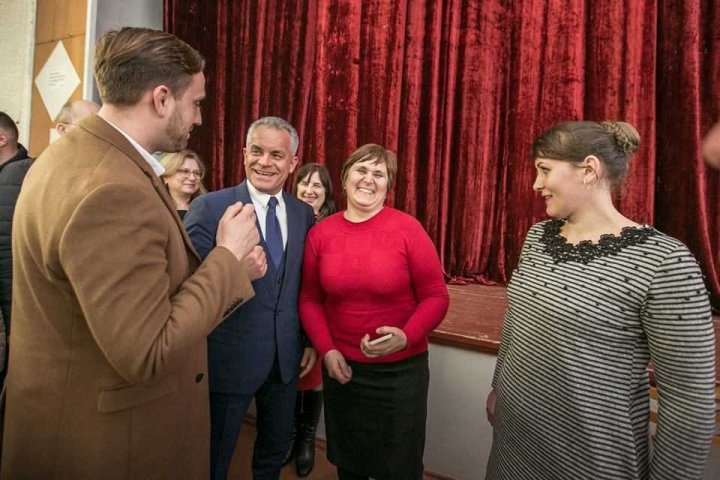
(596, 296)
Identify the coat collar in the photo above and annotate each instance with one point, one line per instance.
(95, 125)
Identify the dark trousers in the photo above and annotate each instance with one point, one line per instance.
(275, 402)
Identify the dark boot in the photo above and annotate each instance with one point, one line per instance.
(292, 449)
(311, 409)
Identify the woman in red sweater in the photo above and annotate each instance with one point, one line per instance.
(371, 293)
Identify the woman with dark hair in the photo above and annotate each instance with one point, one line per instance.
(372, 291)
(183, 176)
(312, 185)
(594, 297)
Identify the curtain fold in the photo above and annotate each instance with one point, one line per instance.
(460, 89)
(686, 204)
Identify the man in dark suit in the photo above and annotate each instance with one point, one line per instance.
(258, 350)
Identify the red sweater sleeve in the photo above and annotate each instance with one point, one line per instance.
(427, 280)
(312, 301)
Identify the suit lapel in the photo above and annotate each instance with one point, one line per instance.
(293, 254)
(243, 195)
(100, 128)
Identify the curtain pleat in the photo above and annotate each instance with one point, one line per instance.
(460, 89)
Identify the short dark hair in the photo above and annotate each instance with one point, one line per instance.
(328, 206)
(613, 143)
(8, 124)
(130, 61)
(372, 151)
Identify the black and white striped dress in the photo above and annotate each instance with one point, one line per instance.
(571, 381)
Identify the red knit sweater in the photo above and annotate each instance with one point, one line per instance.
(361, 276)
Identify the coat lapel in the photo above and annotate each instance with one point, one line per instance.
(100, 128)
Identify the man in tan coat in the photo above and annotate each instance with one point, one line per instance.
(108, 367)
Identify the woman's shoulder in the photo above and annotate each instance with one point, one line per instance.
(665, 245)
(539, 229)
(327, 224)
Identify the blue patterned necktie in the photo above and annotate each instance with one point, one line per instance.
(273, 237)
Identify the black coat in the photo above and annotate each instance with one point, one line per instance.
(12, 174)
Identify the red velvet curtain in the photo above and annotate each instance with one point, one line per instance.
(459, 89)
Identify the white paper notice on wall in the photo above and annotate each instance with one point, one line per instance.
(57, 80)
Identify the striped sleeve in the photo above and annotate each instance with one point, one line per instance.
(678, 324)
(505, 339)
(506, 331)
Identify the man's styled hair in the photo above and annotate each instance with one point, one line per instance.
(131, 61)
(279, 124)
(8, 125)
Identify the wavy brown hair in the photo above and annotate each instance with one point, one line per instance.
(173, 161)
(613, 143)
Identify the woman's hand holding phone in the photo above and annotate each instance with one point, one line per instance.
(391, 340)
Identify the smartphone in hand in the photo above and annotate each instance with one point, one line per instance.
(379, 340)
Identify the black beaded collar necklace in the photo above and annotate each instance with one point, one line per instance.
(585, 251)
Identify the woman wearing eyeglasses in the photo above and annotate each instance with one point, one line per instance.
(183, 176)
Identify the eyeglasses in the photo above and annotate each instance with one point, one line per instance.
(186, 172)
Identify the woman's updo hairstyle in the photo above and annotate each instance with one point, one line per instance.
(611, 142)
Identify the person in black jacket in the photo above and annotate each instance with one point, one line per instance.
(14, 164)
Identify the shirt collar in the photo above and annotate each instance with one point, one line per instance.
(262, 198)
(154, 164)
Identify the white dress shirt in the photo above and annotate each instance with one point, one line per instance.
(260, 201)
(154, 164)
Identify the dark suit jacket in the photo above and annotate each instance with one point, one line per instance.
(242, 348)
(111, 311)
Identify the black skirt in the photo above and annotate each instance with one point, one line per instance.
(375, 424)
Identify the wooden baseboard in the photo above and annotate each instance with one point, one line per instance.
(321, 444)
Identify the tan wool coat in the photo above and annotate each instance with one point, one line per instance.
(108, 367)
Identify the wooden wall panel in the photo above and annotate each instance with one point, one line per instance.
(57, 20)
(60, 19)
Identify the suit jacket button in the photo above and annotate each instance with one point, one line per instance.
(199, 377)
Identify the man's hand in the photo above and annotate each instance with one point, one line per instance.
(308, 361)
(237, 230)
(337, 367)
(255, 263)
